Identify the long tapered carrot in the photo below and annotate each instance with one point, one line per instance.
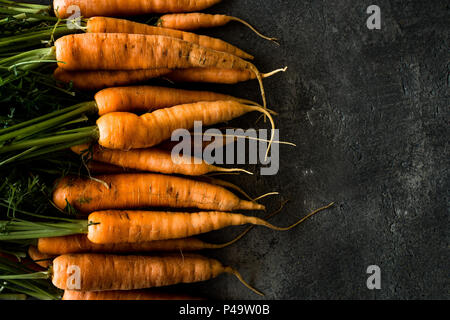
(124, 295)
(136, 226)
(111, 25)
(101, 272)
(140, 190)
(90, 8)
(126, 131)
(149, 98)
(150, 160)
(215, 75)
(97, 167)
(94, 80)
(120, 51)
(194, 21)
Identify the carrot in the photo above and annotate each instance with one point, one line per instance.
(42, 259)
(115, 226)
(79, 243)
(150, 160)
(125, 131)
(120, 51)
(123, 295)
(195, 20)
(92, 80)
(90, 8)
(101, 272)
(122, 191)
(215, 75)
(111, 25)
(149, 98)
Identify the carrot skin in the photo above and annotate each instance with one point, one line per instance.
(90, 8)
(140, 190)
(210, 75)
(148, 160)
(121, 51)
(100, 272)
(115, 226)
(150, 98)
(126, 131)
(42, 259)
(99, 79)
(111, 25)
(192, 21)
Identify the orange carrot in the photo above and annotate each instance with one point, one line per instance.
(90, 8)
(141, 190)
(79, 243)
(215, 75)
(150, 160)
(115, 226)
(124, 295)
(93, 80)
(195, 20)
(150, 98)
(111, 25)
(101, 272)
(126, 131)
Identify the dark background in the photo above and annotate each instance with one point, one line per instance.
(368, 110)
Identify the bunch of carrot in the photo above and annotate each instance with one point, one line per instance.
(120, 248)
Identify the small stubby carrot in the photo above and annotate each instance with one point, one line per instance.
(79, 243)
(42, 259)
(214, 75)
(150, 160)
(140, 190)
(126, 131)
(111, 25)
(150, 98)
(105, 272)
(90, 8)
(195, 20)
(134, 295)
(94, 80)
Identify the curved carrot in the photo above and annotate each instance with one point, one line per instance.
(195, 20)
(100, 272)
(90, 8)
(93, 80)
(123, 295)
(140, 190)
(126, 131)
(149, 160)
(111, 25)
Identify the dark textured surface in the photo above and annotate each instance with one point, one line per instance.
(368, 111)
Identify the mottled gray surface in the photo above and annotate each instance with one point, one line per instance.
(368, 111)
